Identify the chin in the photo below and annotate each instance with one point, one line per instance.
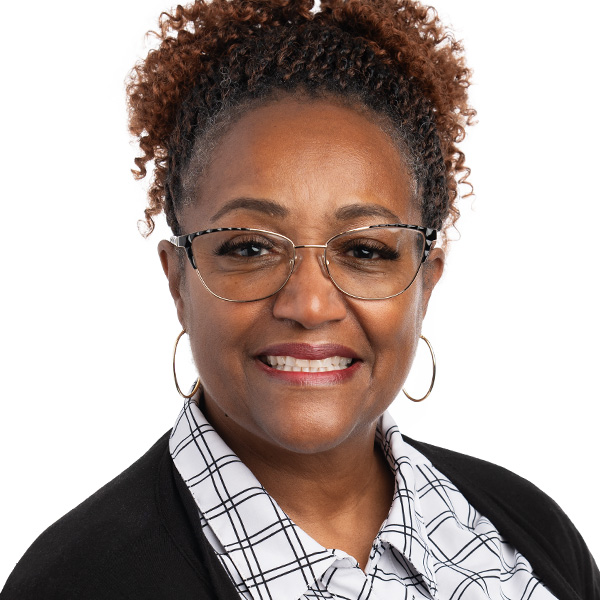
(311, 431)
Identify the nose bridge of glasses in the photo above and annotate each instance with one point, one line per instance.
(320, 257)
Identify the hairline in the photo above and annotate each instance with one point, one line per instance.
(220, 124)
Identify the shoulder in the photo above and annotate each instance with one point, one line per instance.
(526, 517)
(116, 544)
(485, 477)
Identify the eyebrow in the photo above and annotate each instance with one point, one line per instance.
(356, 211)
(273, 209)
(260, 205)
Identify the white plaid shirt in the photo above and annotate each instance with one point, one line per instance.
(433, 544)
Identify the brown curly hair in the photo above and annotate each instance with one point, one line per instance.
(218, 58)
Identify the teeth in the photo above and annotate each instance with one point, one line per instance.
(289, 363)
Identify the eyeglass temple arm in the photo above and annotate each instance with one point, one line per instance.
(430, 239)
(185, 241)
(180, 241)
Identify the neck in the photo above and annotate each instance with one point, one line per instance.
(339, 496)
(323, 483)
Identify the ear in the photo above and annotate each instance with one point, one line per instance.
(432, 272)
(171, 264)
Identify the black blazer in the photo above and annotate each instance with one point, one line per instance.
(139, 537)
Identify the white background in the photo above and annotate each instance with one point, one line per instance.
(88, 324)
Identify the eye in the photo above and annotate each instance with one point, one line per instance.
(250, 249)
(244, 247)
(363, 252)
(369, 250)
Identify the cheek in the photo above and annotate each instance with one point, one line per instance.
(204, 321)
(210, 335)
(394, 332)
(219, 335)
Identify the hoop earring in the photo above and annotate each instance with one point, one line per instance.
(432, 376)
(175, 374)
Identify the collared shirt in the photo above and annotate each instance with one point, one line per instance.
(433, 544)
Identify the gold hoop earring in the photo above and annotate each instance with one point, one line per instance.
(432, 376)
(175, 374)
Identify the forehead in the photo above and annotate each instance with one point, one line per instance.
(311, 157)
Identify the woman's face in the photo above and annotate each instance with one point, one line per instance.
(307, 170)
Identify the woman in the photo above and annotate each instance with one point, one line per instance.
(307, 166)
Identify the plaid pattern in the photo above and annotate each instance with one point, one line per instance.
(432, 545)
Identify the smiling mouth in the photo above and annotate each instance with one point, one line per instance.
(324, 365)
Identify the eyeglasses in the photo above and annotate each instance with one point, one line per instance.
(238, 264)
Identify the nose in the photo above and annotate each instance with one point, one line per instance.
(309, 297)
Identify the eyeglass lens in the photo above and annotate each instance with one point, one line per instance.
(250, 265)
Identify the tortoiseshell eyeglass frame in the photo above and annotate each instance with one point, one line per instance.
(185, 241)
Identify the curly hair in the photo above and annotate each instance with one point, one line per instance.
(216, 59)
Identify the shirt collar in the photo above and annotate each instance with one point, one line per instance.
(404, 528)
(271, 554)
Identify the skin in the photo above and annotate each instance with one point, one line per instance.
(311, 446)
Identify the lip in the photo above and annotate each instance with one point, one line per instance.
(303, 378)
(308, 351)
